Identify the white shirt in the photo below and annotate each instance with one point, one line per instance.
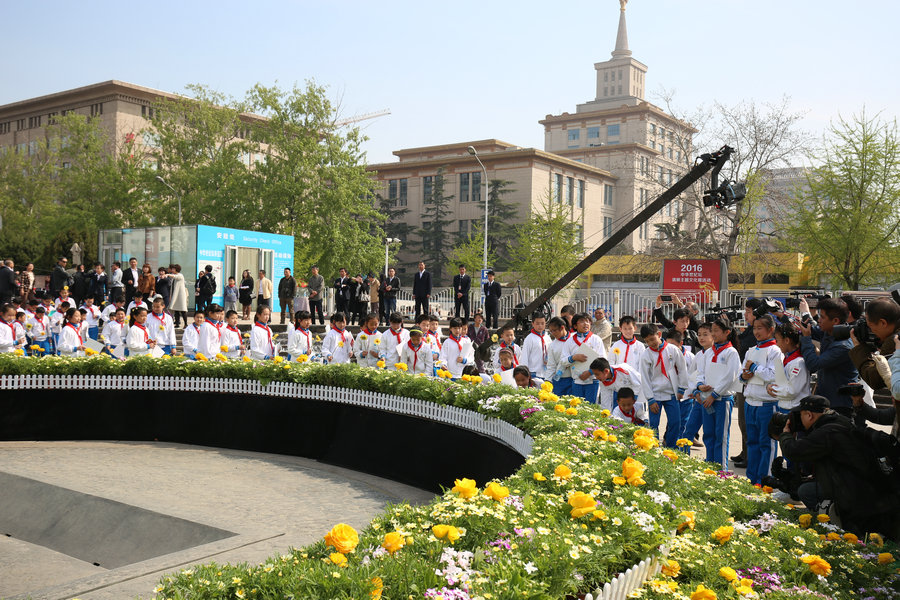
(93, 315)
(7, 336)
(658, 386)
(39, 327)
(190, 339)
(233, 340)
(262, 345)
(300, 342)
(535, 351)
(637, 412)
(210, 342)
(107, 314)
(418, 359)
(629, 353)
(723, 380)
(56, 320)
(391, 343)
(365, 343)
(137, 339)
(517, 353)
(337, 346)
(622, 376)
(573, 347)
(767, 356)
(136, 303)
(453, 349)
(69, 339)
(161, 328)
(556, 359)
(798, 380)
(114, 333)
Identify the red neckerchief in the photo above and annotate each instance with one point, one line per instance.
(41, 321)
(268, 332)
(146, 335)
(586, 337)
(436, 339)
(367, 332)
(415, 353)
(502, 368)
(612, 380)
(632, 415)
(90, 309)
(717, 350)
(792, 356)
(628, 345)
(659, 360)
(543, 344)
(512, 349)
(308, 338)
(397, 334)
(458, 342)
(197, 327)
(565, 339)
(75, 329)
(766, 344)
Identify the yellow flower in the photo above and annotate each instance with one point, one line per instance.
(246, 335)
(380, 364)
(466, 488)
(823, 518)
(199, 356)
(563, 472)
(671, 568)
(20, 352)
(318, 339)
(377, 341)
(618, 480)
(728, 573)
(598, 515)
(767, 489)
(832, 537)
(689, 520)
(302, 358)
(645, 443)
(574, 401)
(605, 413)
(341, 344)
(539, 477)
(496, 491)
(343, 537)
(34, 347)
(338, 559)
(805, 520)
(559, 408)
(744, 590)
(246, 359)
(876, 539)
(446, 531)
(547, 386)
(221, 357)
(363, 337)
(817, 564)
(885, 558)
(378, 586)
(571, 411)
(632, 471)
(681, 443)
(616, 351)
(278, 359)
(850, 538)
(723, 534)
(496, 377)
(670, 454)
(162, 327)
(600, 434)
(581, 504)
(612, 438)
(494, 338)
(702, 593)
(393, 541)
(87, 352)
(401, 366)
(223, 348)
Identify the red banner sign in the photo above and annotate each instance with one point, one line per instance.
(692, 275)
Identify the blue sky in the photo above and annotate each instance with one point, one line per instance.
(467, 70)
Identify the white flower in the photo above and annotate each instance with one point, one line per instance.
(530, 568)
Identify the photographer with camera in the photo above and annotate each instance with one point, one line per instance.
(875, 333)
(846, 470)
(866, 413)
(832, 362)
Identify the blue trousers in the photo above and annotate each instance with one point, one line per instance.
(687, 408)
(760, 447)
(167, 349)
(673, 417)
(48, 349)
(588, 392)
(783, 411)
(694, 421)
(563, 386)
(717, 430)
(93, 332)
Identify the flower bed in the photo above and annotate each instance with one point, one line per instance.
(595, 497)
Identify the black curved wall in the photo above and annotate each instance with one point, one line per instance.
(414, 451)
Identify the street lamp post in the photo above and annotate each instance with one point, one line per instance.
(473, 152)
(387, 244)
(174, 191)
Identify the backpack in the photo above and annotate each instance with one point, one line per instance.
(209, 286)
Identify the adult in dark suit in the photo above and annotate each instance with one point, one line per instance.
(461, 285)
(130, 277)
(342, 293)
(491, 301)
(388, 295)
(9, 284)
(59, 278)
(422, 289)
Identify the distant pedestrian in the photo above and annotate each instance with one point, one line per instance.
(245, 293)
(461, 285)
(286, 288)
(342, 292)
(231, 296)
(316, 286)
(492, 294)
(422, 289)
(264, 297)
(388, 295)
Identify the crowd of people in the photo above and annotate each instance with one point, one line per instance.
(693, 369)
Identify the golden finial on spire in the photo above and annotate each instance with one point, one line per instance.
(622, 3)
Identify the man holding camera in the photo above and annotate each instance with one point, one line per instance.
(882, 324)
(845, 472)
(832, 362)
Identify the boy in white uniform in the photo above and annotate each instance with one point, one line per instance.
(718, 379)
(161, 326)
(231, 341)
(393, 340)
(612, 379)
(585, 385)
(190, 339)
(367, 342)
(8, 341)
(337, 348)
(507, 341)
(559, 371)
(115, 331)
(109, 311)
(663, 381)
(627, 349)
(93, 317)
(40, 331)
(300, 339)
(417, 355)
(211, 333)
(535, 347)
(457, 351)
(138, 339)
(627, 409)
(788, 339)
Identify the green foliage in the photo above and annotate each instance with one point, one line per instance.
(434, 234)
(847, 219)
(501, 223)
(546, 246)
(469, 251)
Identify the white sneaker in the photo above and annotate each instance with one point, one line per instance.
(782, 497)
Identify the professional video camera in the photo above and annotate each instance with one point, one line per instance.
(852, 389)
(768, 306)
(731, 312)
(779, 420)
(812, 299)
(861, 329)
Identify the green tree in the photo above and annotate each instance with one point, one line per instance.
(848, 219)
(435, 237)
(469, 251)
(394, 224)
(501, 222)
(547, 245)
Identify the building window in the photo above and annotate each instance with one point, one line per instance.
(96, 109)
(463, 187)
(570, 191)
(620, 90)
(574, 135)
(463, 228)
(605, 76)
(653, 128)
(476, 187)
(427, 188)
(147, 113)
(782, 278)
(662, 176)
(612, 131)
(4, 127)
(645, 165)
(620, 74)
(604, 91)
(579, 235)
(678, 155)
(607, 195)
(593, 132)
(397, 189)
(581, 193)
(607, 226)
(34, 122)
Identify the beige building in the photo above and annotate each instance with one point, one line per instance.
(534, 174)
(619, 131)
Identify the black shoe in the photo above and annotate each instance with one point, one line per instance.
(739, 458)
(696, 444)
(739, 464)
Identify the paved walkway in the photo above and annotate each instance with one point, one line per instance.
(272, 502)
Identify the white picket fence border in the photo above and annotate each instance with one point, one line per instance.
(469, 420)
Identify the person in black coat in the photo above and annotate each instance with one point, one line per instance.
(130, 278)
(422, 289)
(9, 284)
(97, 284)
(342, 293)
(462, 283)
(59, 278)
(80, 285)
(164, 286)
(491, 301)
